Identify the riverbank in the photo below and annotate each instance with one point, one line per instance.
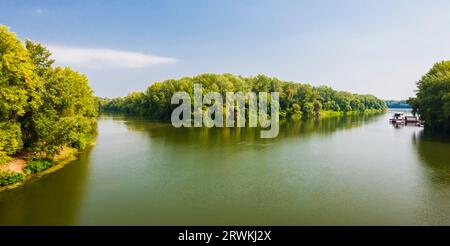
(27, 166)
(329, 113)
(323, 114)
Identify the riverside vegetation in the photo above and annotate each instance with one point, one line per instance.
(296, 100)
(44, 110)
(432, 101)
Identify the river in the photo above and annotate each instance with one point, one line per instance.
(355, 170)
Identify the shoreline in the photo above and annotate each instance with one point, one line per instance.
(60, 161)
(322, 114)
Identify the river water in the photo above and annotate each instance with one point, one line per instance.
(357, 170)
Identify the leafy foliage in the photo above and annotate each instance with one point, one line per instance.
(10, 139)
(41, 108)
(37, 165)
(296, 100)
(432, 101)
(18, 82)
(8, 177)
(18, 91)
(67, 115)
(40, 57)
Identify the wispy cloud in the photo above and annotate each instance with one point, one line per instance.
(39, 11)
(105, 58)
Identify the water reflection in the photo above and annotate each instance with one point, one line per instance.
(354, 170)
(434, 151)
(223, 136)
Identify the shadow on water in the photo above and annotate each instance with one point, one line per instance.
(41, 202)
(222, 136)
(434, 151)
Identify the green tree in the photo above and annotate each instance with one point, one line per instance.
(308, 109)
(68, 110)
(18, 91)
(67, 115)
(317, 107)
(432, 101)
(40, 57)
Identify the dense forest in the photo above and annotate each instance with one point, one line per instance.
(432, 101)
(42, 108)
(397, 104)
(296, 100)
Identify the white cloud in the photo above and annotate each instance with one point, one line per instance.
(104, 58)
(39, 11)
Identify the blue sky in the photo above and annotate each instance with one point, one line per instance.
(364, 46)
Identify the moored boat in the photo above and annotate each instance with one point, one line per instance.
(398, 118)
(401, 118)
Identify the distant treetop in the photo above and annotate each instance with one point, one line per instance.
(397, 104)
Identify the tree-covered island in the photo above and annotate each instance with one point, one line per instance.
(296, 100)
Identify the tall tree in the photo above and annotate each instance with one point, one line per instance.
(40, 57)
(18, 91)
(432, 101)
(67, 115)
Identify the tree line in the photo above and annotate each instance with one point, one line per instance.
(397, 104)
(296, 100)
(42, 108)
(432, 101)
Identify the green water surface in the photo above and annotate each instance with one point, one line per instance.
(357, 170)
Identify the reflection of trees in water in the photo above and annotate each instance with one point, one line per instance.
(434, 151)
(223, 136)
(324, 126)
(53, 199)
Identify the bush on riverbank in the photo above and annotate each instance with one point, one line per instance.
(8, 177)
(36, 165)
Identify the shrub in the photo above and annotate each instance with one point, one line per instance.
(37, 165)
(8, 177)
